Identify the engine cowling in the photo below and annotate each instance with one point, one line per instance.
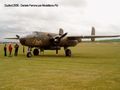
(56, 39)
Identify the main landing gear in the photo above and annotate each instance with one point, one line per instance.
(35, 52)
(68, 53)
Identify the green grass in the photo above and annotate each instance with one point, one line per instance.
(110, 40)
(93, 66)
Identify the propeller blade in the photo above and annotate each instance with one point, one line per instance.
(63, 35)
(18, 36)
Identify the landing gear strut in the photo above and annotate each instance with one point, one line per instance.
(68, 52)
(29, 54)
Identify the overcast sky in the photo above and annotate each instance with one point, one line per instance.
(75, 16)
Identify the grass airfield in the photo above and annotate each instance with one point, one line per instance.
(93, 66)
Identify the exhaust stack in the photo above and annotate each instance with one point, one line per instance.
(61, 31)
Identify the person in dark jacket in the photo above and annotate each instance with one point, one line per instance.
(5, 50)
(16, 49)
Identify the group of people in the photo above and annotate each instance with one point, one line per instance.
(10, 49)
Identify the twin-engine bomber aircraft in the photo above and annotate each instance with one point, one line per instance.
(51, 41)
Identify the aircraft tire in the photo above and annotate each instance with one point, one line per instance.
(36, 52)
(29, 54)
(68, 52)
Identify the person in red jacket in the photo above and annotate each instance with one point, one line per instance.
(10, 49)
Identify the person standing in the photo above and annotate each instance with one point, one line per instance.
(5, 50)
(16, 49)
(10, 49)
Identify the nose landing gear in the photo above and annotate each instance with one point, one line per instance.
(29, 54)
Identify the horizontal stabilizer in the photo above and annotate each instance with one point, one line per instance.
(17, 37)
(12, 38)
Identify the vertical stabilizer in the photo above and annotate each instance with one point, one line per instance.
(61, 31)
(93, 34)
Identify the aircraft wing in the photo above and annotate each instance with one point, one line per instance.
(89, 37)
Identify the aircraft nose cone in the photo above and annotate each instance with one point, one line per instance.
(22, 41)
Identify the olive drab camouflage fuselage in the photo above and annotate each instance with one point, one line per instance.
(44, 40)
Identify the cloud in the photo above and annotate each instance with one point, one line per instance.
(74, 16)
